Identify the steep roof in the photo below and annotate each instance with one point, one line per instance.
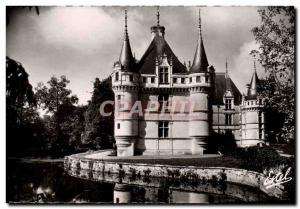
(220, 89)
(126, 59)
(252, 91)
(200, 62)
(159, 47)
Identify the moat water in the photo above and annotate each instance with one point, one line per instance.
(48, 182)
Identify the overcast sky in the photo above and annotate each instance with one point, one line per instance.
(84, 42)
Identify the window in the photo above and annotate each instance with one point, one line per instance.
(130, 77)
(198, 79)
(144, 79)
(152, 79)
(260, 131)
(119, 97)
(228, 104)
(174, 80)
(191, 80)
(251, 102)
(260, 101)
(206, 79)
(260, 117)
(117, 76)
(118, 125)
(163, 129)
(182, 80)
(163, 75)
(163, 99)
(228, 119)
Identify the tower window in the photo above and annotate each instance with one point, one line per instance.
(118, 125)
(260, 131)
(182, 80)
(163, 129)
(152, 79)
(198, 79)
(191, 79)
(206, 79)
(174, 80)
(144, 79)
(228, 104)
(130, 77)
(228, 119)
(117, 76)
(163, 75)
(260, 117)
(163, 99)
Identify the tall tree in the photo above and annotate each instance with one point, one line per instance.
(276, 39)
(57, 100)
(98, 132)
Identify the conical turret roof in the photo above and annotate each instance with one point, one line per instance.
(126, 59)
(200, 62)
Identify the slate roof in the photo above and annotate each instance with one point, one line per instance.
(158, 47)
(200, 62)
(220, 89)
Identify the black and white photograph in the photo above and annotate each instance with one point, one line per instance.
(150, 104)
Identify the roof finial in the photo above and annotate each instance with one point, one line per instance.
(254, 64)
(200, 29)
(157, 15)
(226, 64)
(126, 32)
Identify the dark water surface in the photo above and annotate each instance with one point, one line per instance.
(47, 182)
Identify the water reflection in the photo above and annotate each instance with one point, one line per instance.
(48, 183)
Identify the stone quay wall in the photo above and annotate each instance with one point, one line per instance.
(232, 175)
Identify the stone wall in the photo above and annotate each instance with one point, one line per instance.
(231, 175)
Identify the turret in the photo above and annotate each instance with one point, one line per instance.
(201, 84)
(252, 113)
(125, 83)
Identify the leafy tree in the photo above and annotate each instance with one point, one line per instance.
(58, 101)
(98, 132)
(24, 128)
(276, 38)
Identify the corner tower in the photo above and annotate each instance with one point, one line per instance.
(125, 83)
(201, 83)
(252, 113)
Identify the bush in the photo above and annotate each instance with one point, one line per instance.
(259, 158)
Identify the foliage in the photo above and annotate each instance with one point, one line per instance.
(259, 158)
(64, 121)
(98, 130)
(276, 38)
(24, 128)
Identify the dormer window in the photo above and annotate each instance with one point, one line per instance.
(228, 104)
(163, 75)
(117, 76)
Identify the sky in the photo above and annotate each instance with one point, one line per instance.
(84, 42)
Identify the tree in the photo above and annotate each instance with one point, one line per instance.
(23, 127)
(58, 101)
(99, 130)
(276, 39)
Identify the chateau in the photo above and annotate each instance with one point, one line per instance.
(193, 101)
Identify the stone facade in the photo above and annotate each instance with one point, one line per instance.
(181, 105)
